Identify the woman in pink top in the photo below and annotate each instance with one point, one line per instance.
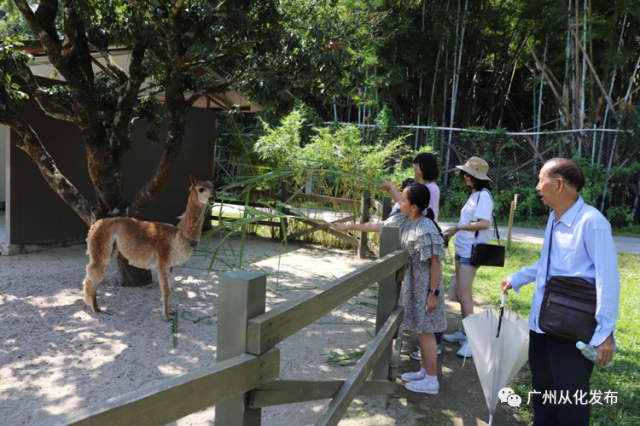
(426, 168)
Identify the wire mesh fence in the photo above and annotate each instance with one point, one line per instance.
(515, 158)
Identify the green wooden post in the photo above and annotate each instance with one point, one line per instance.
(386, 207)
(388, 295)
(283, 198)
(365, 206)
(242, 297)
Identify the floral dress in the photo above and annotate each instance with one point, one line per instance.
(422, 240)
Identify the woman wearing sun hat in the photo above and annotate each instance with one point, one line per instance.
(475, 216)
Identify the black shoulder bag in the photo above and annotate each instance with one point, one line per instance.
(484, 254)
(568, 307)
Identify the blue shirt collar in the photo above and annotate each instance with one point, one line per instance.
(570, 214)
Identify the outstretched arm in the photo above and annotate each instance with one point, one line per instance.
(388, 186)
(364, 227)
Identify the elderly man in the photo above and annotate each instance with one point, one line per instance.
(582, 247)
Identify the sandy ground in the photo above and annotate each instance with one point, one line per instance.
(56, 356)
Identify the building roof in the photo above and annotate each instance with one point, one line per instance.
(220, 102)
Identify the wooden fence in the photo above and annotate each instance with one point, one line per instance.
(364, 207)
(245, 376)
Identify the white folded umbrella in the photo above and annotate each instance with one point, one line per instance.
(500, 346)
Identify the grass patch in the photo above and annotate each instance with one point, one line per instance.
(622, 377)
(344, 360)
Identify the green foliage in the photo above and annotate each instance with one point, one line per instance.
(11, 23)
(279, 146)
(620, 216)
(12, 62)
(295, 142)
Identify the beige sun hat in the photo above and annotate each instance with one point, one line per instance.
(476, 167)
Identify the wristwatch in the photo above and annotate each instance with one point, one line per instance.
(434, 292)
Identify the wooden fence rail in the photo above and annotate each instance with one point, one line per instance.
(244, 379)
(364, 206)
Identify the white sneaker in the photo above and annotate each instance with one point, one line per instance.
(411, 377)
(422, 386)
(458, 336)
(465, 348)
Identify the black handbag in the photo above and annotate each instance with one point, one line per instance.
(484, 254)
(568, 307)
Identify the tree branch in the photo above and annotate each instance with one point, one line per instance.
(70, 29)
(147, 13)
(128, 99)
(112, 66)
(175, 9)
(42, 22)
(222, 87)
(199, 27)
(49, 104)
(31, 144)
(167, 163)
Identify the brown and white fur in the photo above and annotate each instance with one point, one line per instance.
(146, 245)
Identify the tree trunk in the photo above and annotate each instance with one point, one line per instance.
(130, 276)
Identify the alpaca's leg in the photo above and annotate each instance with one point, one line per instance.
(163, 277)
(95, 275)
(172, 282)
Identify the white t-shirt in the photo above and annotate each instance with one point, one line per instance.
(473, 211)
(434, 202)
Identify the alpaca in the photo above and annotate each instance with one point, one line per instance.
(146, 245)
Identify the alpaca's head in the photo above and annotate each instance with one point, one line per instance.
(202, 190)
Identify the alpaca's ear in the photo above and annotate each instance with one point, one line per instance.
(193, 180)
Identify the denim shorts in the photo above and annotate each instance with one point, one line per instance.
(465, 261)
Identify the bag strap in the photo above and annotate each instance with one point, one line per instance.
(493, 214)
(546, 277)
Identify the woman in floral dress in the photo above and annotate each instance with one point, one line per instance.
(422, 289)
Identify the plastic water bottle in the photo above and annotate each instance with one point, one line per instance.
(590, 352)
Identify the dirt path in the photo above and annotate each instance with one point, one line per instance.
(57, 357)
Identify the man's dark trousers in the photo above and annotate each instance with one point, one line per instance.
(558, 366)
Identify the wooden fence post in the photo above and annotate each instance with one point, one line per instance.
(512, 212)
(242, 297)
(283, 198)
(365, 206)
(388, 295)
(364, 212)
(386, 208)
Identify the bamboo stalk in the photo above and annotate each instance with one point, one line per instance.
(553, 89)
(591, 88)
(565, 90)
(584, 76)
(512, 212)
(544, 59)
(613, 79)
(615, 139)
(577, 75)
(595, 74)
(456, 80)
